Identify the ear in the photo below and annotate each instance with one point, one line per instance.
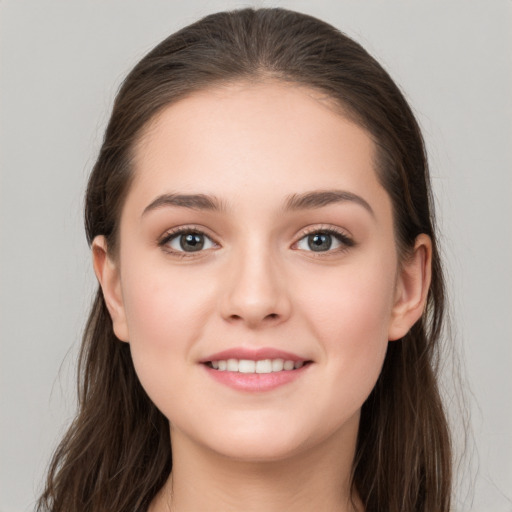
(411, 289)
(107, 273)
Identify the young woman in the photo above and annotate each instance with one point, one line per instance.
(265, 334)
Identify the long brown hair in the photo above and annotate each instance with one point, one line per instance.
(117, 455)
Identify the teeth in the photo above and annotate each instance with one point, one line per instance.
(288, 365)
(277, 365)
(232, 365)
(246, 366)
(260, 366)
(264, 366)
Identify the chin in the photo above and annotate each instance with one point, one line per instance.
(258, 442)
(260, 450)
(266, 436)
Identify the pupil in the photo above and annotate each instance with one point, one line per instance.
(192, 242)
(319, 242)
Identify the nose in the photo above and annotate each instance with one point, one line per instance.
(256, 293)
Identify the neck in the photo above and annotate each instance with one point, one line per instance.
(313, 479)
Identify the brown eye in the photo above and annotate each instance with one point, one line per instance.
(191, 242)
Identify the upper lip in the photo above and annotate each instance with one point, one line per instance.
(255, 354)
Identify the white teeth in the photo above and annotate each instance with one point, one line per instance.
(232, 365)
(260, 366)
(277, 365)
(246, 366)
(264, 366)
(288, 365)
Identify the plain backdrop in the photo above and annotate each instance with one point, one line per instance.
(61, 63)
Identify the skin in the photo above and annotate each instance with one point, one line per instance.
(257, 283)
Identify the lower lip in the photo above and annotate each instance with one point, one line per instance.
(256, 382)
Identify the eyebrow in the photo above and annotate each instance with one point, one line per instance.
(191, 201)
(308, 200)
(321, 198)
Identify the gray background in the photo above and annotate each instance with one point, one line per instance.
(61, 63)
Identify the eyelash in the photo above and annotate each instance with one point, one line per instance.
(346, 241)
(342, 237)
(185, 230)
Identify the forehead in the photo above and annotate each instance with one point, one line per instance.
(271, 138)
(244, 106)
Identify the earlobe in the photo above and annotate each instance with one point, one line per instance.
(412, 287)
(107, 273)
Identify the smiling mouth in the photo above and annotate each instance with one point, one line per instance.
(258, 366)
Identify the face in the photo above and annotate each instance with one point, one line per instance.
(256, 237)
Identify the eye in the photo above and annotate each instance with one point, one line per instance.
(324, 240)
(187, 240)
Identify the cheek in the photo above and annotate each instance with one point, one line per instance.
(166, 316)
(349, 314)
(162, 305)
(352, 304)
